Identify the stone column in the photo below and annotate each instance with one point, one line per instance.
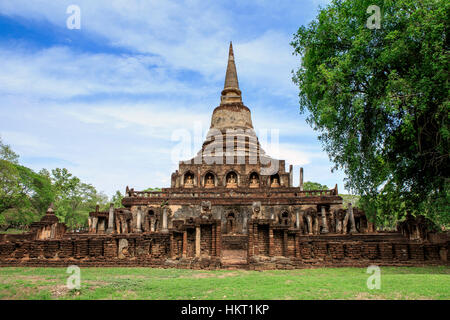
(218, 238)
(172, 246)
(301, 179)
(270, 242)
(345, 223)
(197, 241)
(111, 219)
(332, 227)
(324, 220)
(250, 239)
(53, 231)
(297, 245)
(94, 224)
(291, 176)
(164, 222)
(118, 229)
(138, 222)
(285, 243)
(90, 224)
(213, 240)
(338, 224)
(352, 218)
(297, 220)
(316, 224)
(309, 219)
(184, 244)
(244, 225)
(125, 226)
(152, 224)
(255, 240)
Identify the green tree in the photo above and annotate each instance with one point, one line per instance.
(379, 98)
(24, 194)
(74, 199)
(152, 190)
(308, 185)
(6, 153)
(117, 199)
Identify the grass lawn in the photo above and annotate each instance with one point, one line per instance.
(13, 231)
(147, 283)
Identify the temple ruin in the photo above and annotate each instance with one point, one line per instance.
(231, 206)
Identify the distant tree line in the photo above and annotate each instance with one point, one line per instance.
(25, 194)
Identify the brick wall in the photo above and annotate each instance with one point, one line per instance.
(154, 249)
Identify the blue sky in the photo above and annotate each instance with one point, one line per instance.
(107, 100)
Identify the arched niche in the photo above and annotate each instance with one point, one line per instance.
(150, 220)
(231, 179)
(209, 180)
(284, 218)
(189, 180)
(254, 180)
(275, 181)
(231, 223)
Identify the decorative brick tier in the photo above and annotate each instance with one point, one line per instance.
(263, 248)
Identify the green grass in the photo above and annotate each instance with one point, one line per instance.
(148, 283)
(13, 231)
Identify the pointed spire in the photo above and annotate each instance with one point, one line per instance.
(231, 80)
(231, 92)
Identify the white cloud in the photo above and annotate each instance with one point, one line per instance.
(59, 73)
(190, 35)
(25, 141)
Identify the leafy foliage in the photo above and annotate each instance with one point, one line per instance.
(74, 199)
(308, 185)
(117, 199)
(25, 195)
(153, 190)
(379, 98)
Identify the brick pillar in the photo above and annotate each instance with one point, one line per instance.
(297, 245)
(324, 220)
(285, 243)
(270, 241)
(213, 239)
(197, 241)
(94, 224)
(301, 179)
(218, 238)
(164, 220)
(184, 244)
(316, 224)
(352, 218)
(250, 239)
(138, 222)
(255, 240)
(172, 246)
(111, 219)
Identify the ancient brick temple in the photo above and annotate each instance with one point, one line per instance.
(230, 206)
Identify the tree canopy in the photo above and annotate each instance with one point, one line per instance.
(25, 194)
(379, 99)
(308, 185)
